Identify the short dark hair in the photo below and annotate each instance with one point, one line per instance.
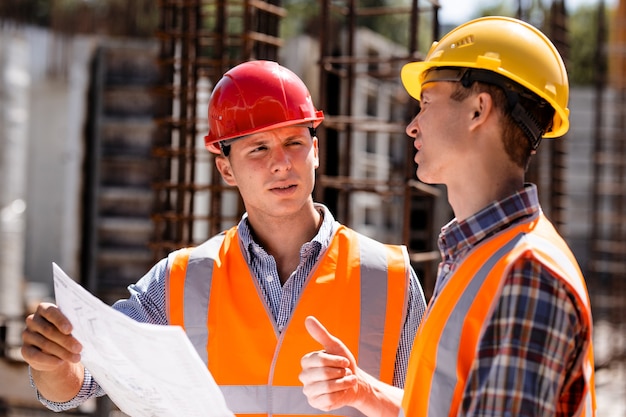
(517, 140)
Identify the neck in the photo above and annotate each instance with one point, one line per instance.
(468, 199)
(282, 237)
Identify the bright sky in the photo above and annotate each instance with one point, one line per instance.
(454, 12)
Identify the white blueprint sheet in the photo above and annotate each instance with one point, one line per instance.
(146, 370)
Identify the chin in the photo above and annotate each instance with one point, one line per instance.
(423, 177)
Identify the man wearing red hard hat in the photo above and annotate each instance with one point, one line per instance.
(243, 296)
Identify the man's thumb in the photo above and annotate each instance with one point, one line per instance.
(318, 332)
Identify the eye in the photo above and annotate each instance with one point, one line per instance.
(295, 141)
(257, 149)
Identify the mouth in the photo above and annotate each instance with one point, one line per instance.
(283, 188)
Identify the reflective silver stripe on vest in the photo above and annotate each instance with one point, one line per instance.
(373, 304)
(250, 399)
(444, 379)
(198, 292)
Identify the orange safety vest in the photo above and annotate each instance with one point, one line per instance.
(448, 338)
(358, 289)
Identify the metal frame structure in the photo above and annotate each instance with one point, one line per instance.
(607, 261)
(341, 66)
(200, 40)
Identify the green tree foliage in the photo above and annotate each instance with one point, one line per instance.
(583, 25)
(583, 34)
(303, 17)
(138, 18)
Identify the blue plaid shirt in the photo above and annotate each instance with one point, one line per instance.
(528, 360)
(147, 298)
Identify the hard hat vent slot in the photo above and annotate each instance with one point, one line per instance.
(468, 40)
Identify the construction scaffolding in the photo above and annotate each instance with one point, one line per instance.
(367, 112)
(200, 40)
(149, 178)
(607, 266)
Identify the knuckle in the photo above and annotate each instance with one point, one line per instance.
(41, 310)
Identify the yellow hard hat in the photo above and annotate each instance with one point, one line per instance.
(509, 47)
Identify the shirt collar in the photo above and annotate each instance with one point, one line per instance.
(322, 238)
(460, 236)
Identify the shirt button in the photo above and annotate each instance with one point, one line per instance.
(446, 268)
(269, 278)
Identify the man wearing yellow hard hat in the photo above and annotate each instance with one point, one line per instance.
(508, 331)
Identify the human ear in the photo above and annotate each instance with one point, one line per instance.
(226, 170)
(482, 106)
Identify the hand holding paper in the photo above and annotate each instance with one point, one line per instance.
(146, 370)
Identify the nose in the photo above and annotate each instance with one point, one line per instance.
(280, 159)
(412, 129)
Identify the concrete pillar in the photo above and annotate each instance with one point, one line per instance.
(14, 93)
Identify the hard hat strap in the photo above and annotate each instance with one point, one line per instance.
(528, 124)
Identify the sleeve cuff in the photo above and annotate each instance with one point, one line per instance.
(89, 389)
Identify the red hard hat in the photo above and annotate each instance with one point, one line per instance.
(256, 96)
